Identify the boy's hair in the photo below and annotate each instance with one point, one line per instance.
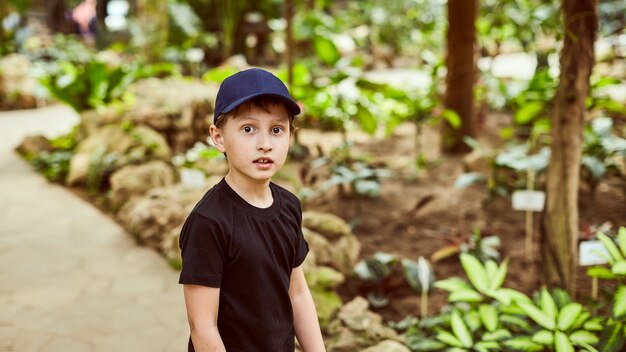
(264, 102)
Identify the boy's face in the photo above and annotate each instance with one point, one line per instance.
(256, 142)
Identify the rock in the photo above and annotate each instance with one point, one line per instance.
(153, 215)
(18, 87)
(331, 240)
(124, 146)
(327, 304)
(356, 316)
(328, 225)
(324, 277)
(345, 254)
(33, 145)
(170, 248)
(134, 180)
(319, 245)
(344, 341)
(388, 346)
(178, 109)
(149, 219)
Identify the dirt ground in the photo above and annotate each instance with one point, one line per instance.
(420, 212)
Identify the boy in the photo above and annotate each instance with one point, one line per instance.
(242, 245)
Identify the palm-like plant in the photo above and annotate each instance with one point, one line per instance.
(560, 328)
(486, 283)
(613, 337)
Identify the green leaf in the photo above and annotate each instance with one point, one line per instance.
(469, 179)
(612, 338)
(582, 318)
(448, 339)
(562, 343)
(491, 268)
(366, 119)
(424, 344)
(475, 272)
(486, 346)
(544, 337)
(610, 246)
(537, 315)
(496, 335)
(601, 272)
(547, 304)
(595, 166)
(471, 319)
(523, 344)
(460, 330)
(513, 321)
(498, 279)
(619, 305)
(452, 117)
(452, 284)
(489, 316)
(515, 295)
(528, 112)
(594, 324)
(568, 315)
(468, 295)
(581, 337)
(621, 240)
(326, 50)
(619, 268)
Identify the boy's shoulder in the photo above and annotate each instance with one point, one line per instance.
(212, 204)
(284, 193)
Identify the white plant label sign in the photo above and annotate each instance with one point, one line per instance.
(529, 200)
(589, 253)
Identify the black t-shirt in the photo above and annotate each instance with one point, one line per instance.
(249, 253)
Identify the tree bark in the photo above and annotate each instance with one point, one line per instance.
(289, 48)
(560, 225)
(460, 79)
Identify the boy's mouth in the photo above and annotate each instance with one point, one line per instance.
(263, 161)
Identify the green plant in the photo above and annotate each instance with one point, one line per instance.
(509, 169)
(478, 331)
(561, 325)
(613, 336)
(485, 283)
(376, 270)
(53, 165)
(76, 76)
(100, 167)
(420, 277)
(602, 150)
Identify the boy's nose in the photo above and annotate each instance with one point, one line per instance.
(263, 142)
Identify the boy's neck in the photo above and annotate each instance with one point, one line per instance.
(257, 194)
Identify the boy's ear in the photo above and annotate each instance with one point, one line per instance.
(217, 137)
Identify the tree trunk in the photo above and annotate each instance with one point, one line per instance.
(461, 37)
(152, 16)
(289, 48)
(560, 225)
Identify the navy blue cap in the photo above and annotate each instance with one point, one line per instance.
(245, 85)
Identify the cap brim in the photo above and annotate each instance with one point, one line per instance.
(290, 104)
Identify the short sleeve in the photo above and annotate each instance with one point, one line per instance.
(203, 248)
(302, 247)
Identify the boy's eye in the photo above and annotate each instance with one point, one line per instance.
(277, 130)
(248, 129)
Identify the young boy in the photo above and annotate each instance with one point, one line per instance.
(242, 245)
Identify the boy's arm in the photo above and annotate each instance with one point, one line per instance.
(202, 307)
(304, 315)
